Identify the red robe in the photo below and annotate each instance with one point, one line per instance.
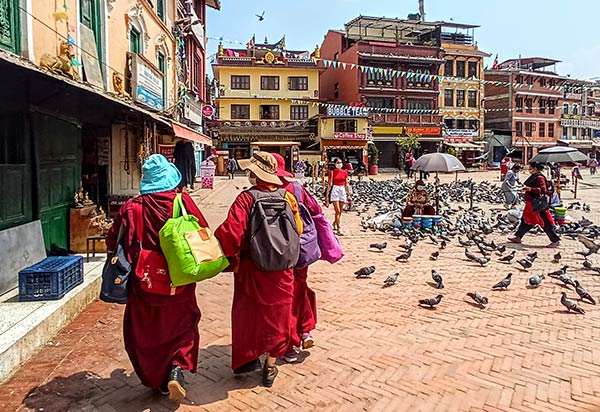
(304, 303)
(262, 301)
(538, 186)
(159, 331)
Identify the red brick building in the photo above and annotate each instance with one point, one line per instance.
(524, 104)
(391, 46)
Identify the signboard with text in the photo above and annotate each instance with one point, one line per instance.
(460, 132)
(347, 111)
(430, 131)
(349, 136)
(168, 151)
(147, 83)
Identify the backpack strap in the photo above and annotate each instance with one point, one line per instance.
(139, 221)
(298, 192)
(178, 206)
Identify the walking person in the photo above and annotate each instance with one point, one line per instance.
(593, 165)
(338, 192)
(261, 312)
(409, 161)
(160, 330)
(509, 186)
(536, 210)
(231, 168)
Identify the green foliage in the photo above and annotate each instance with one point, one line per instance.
(452, 151)
(409, 143)
(373, 154)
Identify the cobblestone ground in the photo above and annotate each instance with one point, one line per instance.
(375, 348)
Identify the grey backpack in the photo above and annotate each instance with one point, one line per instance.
(274, 239)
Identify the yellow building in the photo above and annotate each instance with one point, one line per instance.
(344, 132)
(267, 100)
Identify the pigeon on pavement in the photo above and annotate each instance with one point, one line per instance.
(583, 294)
(390, 280)
(557, 258)
(566, 280)
(508, 257)
(483, 260)
(365, 272)
(437, 278)
(535, 280)
(404, 257)
(570, 305)
(378, 246)
(525, 262)
(504, 283)
(435, 255)
(482, 300)
(559, 272)
(431, 302)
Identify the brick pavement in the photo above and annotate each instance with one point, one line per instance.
(376, 350)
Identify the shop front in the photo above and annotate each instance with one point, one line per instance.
(344, 133)
(460, 141)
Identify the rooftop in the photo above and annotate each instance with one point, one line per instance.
(392, 29)
(527, 63)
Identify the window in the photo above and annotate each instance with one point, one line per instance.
(590, 110)
(472, 101)
(449, 123)
(299, 112)
(566, 108)
(552, 83)
(461, 124)
(473, 70)
(240, 82)
(240, 111)
(336, 56)
(448, 97)
(460, 68)
(415, 78)
(543, 82)
(269, 111)
(381, 102)
(565, 133)
(134, 41)
(542, 127)
(519, 127)
(160, 9)
(542, 106)
(344, 125)
(269, 82)
(460, 98)
(379, 78)
(574, 135)
(530, 80)
(418, 104)
(196, 73)
(528, 105)
(528, 129)
(449, 68)
(575, 109)
(298, 83)
(162, 66)
(520, 79)
(519, 104)
(473, 124)
(551, 106)
(550, 129)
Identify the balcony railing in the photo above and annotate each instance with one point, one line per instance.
(433, 119)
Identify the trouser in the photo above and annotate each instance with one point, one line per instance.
(548, 228)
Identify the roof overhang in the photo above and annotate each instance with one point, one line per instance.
(185, 132)
(215, 4)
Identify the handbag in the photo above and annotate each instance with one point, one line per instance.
(152, 268)
(192, 252)
(331, 250)
(310, 251)
(539, 204)
(115, 274)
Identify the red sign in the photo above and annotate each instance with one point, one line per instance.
(167, 150)
(208, 110)
(349, 136)
(435, 131)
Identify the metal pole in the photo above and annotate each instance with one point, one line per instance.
(575, 192)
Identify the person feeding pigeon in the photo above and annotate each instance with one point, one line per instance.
(418, 202)
(338, 192)
(537, 204)
(509, 186)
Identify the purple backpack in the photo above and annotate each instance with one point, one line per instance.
(309, 243)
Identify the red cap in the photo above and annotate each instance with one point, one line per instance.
(281, 172)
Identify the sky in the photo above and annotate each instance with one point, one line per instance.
(557, 29)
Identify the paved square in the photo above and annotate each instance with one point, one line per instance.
(375, 348)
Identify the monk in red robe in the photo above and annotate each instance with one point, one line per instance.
(262, 301)
(160, 331)
(304, 303)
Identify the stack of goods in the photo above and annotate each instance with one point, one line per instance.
(560, 213)
(417, 221)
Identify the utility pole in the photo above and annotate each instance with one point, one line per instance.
(422, 10)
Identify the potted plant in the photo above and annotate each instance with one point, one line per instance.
(373, 155)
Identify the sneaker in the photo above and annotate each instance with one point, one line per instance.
(291, 357)
(514, 239)
(307, 341)
(252, 366)
(339, 232)
(175, 384)
(553, 245)
(269, 375)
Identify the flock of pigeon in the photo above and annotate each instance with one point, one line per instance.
(468, 228)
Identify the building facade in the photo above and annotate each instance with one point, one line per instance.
(268, 100)
(580, 116)
(399, 105)
(522, 100)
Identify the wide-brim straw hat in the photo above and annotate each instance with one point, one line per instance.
(263, 165)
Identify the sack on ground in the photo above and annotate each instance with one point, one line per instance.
(274, 243)
(309, 243)
(192, 252)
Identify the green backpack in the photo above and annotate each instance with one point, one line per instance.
(192, 252)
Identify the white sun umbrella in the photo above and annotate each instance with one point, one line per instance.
(560, 154)
(438, 162)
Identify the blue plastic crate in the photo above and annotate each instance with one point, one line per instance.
(51, 278)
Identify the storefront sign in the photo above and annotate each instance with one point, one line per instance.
(103, 151)
(208, 110)
(192, 112)
(349, 136)
(347, 111)
(596, 134)
(577, 117)
(147, 83)
(595, 124)
(460, 132)
(167, 150)
(431, 131)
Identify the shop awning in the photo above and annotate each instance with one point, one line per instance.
(466, 146)
(185, 132)
(275, 143)
(430, 139)
(343, 144)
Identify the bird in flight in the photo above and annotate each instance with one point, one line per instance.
(261, 17)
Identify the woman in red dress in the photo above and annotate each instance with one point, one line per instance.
(338, 192)
(160, 331)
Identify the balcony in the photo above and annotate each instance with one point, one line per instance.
(384, 119)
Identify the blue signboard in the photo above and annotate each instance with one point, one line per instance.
(148, 84)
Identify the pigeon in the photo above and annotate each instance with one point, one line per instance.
(433, 240)
(508, 257)
(261, 17)
(570, 305)
(566, 280)
(437, 278)
(470, 255)
(587, 264)
(535, 280)
(532, 256)
(465, 243)
(557, 258)
(431, 302)
(501, 249)
(526, 263)
(443, 244)
(559, 272)
(504, 283)
(404, 257)
(390, 280)
(483, 260)
(589, 244)
(435, 255)
(378, 246)
(365, 272)
(583, 294)
(482, 300)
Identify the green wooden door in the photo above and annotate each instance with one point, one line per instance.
(58, 155)
(9, 25)
(90, 16)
